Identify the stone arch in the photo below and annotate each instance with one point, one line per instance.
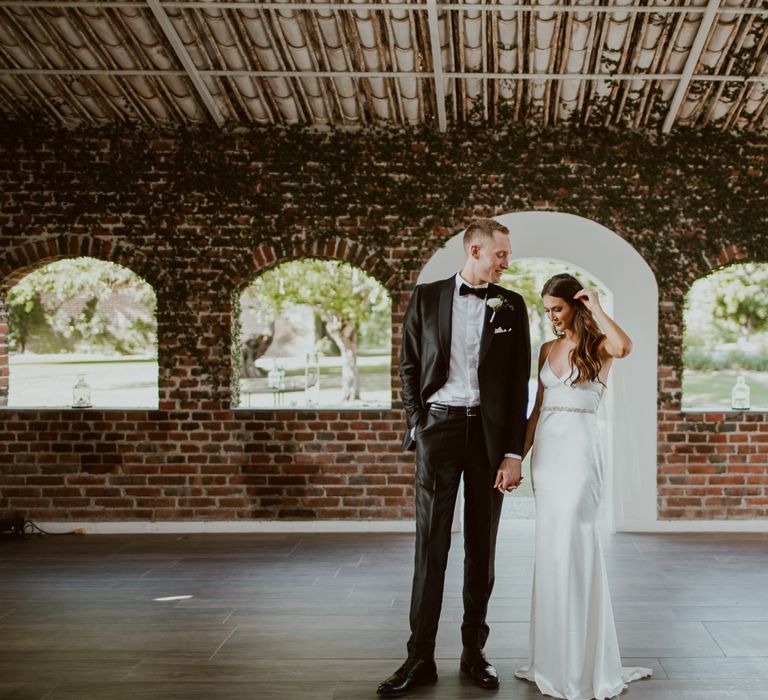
(239, 274)
(21, 260)
(266, 257)
(731, 257)
(29, 256)
(671, 319)
(600, 251)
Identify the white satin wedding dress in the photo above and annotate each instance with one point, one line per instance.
(574, 651)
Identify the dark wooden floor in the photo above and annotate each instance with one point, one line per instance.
(325, 616)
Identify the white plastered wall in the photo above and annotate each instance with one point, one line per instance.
(632, 404)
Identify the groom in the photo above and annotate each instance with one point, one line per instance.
(464, 367)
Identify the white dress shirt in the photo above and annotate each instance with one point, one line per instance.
(462, 387)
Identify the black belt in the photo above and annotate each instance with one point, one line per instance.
(455, 410)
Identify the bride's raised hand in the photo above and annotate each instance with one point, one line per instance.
(590, 299)
(616, 342)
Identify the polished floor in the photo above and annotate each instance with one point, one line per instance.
(324, 617)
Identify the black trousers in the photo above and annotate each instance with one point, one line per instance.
(446, 446)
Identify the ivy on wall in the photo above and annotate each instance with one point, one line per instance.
(212, 196)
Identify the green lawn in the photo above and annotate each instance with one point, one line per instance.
(116, 382)
(48, 380)
(375, 385)
(712, 389)
(373, 377)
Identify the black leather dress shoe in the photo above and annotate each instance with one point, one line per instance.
(480, 670)
(413, 673)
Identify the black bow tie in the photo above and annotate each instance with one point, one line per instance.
(465, 289)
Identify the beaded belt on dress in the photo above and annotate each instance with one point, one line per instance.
(570, 409)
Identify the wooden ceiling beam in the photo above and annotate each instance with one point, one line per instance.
(383, 7)
(437, 64)
(190, 69)
(426, 75)
(694, 55)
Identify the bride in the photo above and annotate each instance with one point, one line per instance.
(574, 651)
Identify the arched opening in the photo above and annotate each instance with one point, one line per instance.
(82, 333)
(726, 340)
(314, 333)
(631, 414)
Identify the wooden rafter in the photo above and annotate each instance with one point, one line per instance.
(437, 65)
(183, 55)
(690, 64)
(624, 63)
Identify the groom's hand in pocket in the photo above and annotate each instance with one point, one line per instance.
(509, 475)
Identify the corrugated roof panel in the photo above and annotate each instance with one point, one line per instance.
(94, 64)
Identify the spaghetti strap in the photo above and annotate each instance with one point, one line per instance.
(547, 362)
(549, 352)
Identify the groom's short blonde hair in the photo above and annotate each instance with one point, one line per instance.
(482, 229)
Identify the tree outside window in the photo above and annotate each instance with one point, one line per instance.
(309, 320)
(82, 317)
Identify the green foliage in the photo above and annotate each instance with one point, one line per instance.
(336, 291)
(346, 299)
(376, 329)
(734, 359)
(82, 305)
(679, 199)
(740, 300)
(728, 306)
(726, 329)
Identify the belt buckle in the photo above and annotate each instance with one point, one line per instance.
(471, 411)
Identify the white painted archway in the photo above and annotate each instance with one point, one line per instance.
(609, 258)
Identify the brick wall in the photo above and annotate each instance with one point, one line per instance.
(199, 230)
(196, 458)
(204, 464)
(711, 465)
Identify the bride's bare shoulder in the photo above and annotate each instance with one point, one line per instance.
(544, 351)
(546, 347)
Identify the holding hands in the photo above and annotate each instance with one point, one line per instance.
(509, 475)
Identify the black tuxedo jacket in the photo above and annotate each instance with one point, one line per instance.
(503, 369)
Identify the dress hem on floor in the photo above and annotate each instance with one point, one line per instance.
(628, 674)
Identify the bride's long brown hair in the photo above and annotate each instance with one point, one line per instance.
(585, 357)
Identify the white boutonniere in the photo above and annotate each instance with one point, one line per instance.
(496, 303)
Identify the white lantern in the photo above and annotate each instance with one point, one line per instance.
(276, 378)
(81, 393)
(740, 395)
(312, 377)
